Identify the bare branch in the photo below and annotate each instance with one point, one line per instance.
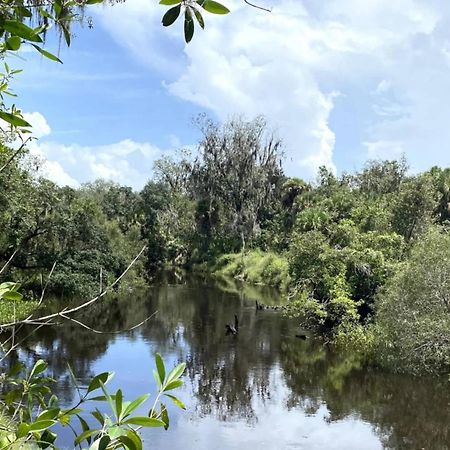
(257, 6)
(9, 261)
(108, 332)
(11, 158)
(46, 284)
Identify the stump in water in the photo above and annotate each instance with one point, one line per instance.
(233, 329)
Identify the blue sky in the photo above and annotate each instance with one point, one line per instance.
(340, 82)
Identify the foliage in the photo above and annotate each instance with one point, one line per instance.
(254, 267)
(86, 232)
(34, 411)
(190, 9)
(413, 320)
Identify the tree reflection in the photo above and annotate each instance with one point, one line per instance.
(232, 377)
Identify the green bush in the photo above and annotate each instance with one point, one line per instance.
(413, 311)
(255, 267)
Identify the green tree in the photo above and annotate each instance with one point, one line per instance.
(413, 313)
(235, 179)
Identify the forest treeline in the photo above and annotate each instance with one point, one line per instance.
(363, 257)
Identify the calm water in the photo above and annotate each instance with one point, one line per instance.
(261, 389)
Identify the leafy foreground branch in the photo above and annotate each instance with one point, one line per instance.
(30, 410)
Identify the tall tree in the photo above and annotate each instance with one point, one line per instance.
(235, 176)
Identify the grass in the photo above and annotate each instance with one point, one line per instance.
(257, 267)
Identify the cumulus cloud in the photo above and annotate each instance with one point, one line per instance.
(290, 64)
(39, 124)
(127, 162)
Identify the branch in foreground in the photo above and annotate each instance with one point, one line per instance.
(253, 5)
(11, 158)
(108, 332)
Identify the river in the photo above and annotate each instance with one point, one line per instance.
(263, 388)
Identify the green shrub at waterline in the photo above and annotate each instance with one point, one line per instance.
(255, 267)
(11, 310)
(413, 310)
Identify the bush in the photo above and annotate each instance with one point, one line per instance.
(413, 311)
(255, 267)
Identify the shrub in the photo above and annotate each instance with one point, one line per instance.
(255, 267)
(413, 311)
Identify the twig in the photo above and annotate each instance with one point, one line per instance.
(10, 159)
(257, 6)
(107, 332)
(46, 284)
(9, 261)
(17, 344)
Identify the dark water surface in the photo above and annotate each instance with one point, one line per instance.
(263, 389)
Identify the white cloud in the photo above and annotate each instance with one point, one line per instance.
(39, 124)
(127, 162)
(288, 64)
(384, 149)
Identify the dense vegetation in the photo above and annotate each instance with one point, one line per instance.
(363, 257)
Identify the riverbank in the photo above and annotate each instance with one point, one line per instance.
(254, 267)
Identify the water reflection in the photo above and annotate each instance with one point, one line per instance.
(262, 387)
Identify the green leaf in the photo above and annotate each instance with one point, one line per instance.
(169, 2)
(38, 368)
(85, 435)
(213, 7)
(84, 425)
(95, 382)
(47, 439)
(66, 33)
(99, 416)
(135, 404)
(17, 28)
(144, 421)
(157, 379)
(171, 15)
(199, 18)
(14, 119)
(188, 25)
(9, 285)
(53, 402)
(130, 443)
(109, 398)
(115, 431)
(165, 416)
(99, 398)
(48, 414)
(13, 43)
(22, 430)
(160, 366)
(16, 296)
(15, 369)
(176, 372)
(47, 54)
(24, 12)
(119, 400)
(173, 385)
(100, 444)
(41, 425)
(176, 401)
(93, 2)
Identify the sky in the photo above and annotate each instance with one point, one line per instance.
(339, 81)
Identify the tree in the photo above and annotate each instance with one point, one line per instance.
(414, 309)
(235, 178)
